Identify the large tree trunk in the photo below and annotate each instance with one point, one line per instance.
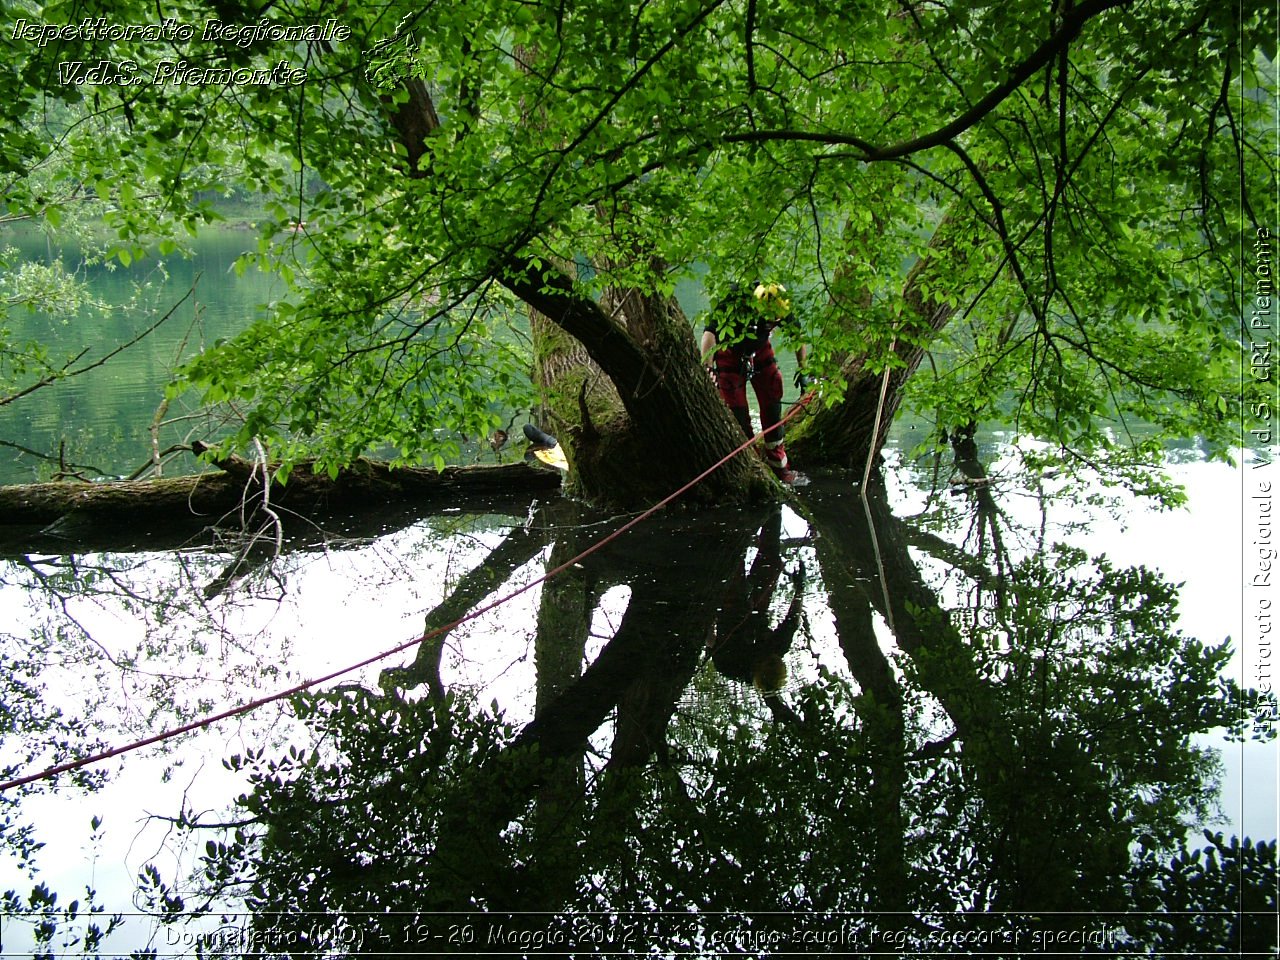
(671, 425)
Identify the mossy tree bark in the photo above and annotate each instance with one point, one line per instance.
(152, 514)
(668, 426)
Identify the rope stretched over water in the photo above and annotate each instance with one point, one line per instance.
(252, 705)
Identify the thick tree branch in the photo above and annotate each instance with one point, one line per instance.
(551, 293)
(1072, 23)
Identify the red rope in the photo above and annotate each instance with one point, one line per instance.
(263, 701)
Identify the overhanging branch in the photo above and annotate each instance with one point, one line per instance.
(67, 371)
(1072, 24)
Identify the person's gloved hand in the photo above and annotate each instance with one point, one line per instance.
(802, 380)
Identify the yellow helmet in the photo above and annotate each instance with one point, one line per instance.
(771, 299)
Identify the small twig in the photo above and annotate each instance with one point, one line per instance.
(66, 373)
(162, 455)
(155, 435)
(266, 495)
(78, 467)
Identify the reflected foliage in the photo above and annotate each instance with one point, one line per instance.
(98, 649)
(1034, 760)
(1222, 895)
(352, 825)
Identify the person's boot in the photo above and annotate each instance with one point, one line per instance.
(775, 455)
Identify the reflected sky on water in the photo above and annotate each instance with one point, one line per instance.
(922, 717)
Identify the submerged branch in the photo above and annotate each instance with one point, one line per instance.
(54, 516)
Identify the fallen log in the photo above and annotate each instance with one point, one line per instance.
(65, 509)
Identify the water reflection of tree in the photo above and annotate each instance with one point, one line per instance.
(1035, 758)
(1066, 719)
(109, 644)
(102, 647)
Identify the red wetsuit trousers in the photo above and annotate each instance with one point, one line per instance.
(733, 369)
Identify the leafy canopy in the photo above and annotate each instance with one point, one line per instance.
(1080, 178)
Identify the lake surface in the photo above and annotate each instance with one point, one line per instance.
(100, 422)
(943, 718)
(911, 765)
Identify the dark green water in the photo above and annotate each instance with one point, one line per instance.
(99, 423)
